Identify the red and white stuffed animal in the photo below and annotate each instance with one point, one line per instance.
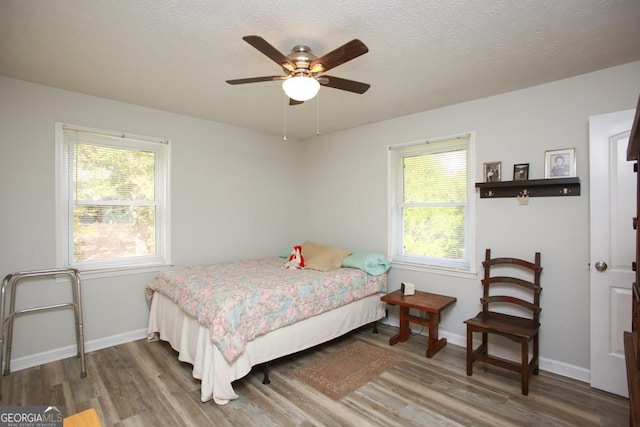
(296, 259)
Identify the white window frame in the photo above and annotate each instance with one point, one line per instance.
(395, 184)
(64, 203)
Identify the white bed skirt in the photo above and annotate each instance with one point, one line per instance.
(191, 340)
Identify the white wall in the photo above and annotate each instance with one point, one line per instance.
(345, 183)
(222, 176)
(232, 190)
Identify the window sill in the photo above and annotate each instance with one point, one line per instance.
(122, 271)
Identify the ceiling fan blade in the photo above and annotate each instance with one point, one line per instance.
(339, 56)
(344, 84)
(255, 80)
(294, 102)
(271, 52)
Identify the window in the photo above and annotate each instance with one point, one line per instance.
(112, 199)
(431, 203)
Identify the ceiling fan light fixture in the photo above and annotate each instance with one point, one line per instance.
(301, 88)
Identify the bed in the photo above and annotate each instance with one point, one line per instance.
(226, 318)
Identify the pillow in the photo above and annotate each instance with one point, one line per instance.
(369, 262)
(285, 254)
(322, 258)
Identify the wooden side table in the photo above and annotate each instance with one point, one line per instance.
(431, 305)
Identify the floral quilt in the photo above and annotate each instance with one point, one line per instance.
(241, 300)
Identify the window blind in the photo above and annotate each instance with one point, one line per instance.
(115, 199)
(429, 203)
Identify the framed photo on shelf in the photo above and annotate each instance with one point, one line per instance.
(492, 171)
(521, 172)
(560, 163)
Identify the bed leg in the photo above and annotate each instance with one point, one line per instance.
(265, 379)
(375, 327)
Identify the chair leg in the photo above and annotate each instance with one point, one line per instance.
(525, 368)
(485, 343)
(536, 344)
(469, 351)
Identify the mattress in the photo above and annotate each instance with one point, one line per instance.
(241, 300)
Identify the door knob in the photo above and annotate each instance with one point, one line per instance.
(601, 266)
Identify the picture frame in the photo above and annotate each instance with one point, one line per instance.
(492, 171)
(521, 172)
(560, 163)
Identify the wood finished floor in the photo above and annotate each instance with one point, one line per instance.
(143, 384)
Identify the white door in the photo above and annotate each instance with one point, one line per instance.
(612, 206)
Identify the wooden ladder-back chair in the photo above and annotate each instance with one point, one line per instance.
(522, 330)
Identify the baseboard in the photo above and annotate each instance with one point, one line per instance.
(549, 365)
(71, 351)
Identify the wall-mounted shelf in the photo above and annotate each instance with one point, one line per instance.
(531, 188)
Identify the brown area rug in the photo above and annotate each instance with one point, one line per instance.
(347, 368)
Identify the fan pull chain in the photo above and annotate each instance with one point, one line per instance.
(318, 114)
(284, 138)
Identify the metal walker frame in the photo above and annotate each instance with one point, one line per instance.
(10, 284)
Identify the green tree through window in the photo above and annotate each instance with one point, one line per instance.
(114, 204)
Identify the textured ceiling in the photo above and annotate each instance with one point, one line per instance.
(423, 54)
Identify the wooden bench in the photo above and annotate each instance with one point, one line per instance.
(431, 305)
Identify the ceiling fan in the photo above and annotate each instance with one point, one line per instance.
(302, 80)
